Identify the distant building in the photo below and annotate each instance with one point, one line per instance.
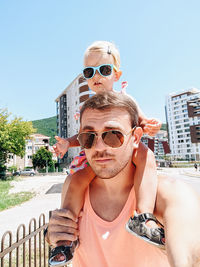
(32, 145)
(183, 122)
(158, 144)
(68, 104)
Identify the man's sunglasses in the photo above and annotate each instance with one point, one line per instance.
(112, 138)
(104, 70)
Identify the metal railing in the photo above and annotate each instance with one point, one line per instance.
(27, 249)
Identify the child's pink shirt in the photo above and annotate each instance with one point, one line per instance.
(108, 244)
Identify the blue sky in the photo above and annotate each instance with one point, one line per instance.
(42, 44)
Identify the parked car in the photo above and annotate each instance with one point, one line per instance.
(27, 172)
(17, 173)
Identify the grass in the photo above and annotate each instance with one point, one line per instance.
(10, 200)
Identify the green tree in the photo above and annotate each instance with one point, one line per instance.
(13, 135)
(42, 158)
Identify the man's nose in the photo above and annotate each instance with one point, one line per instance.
(99, 144)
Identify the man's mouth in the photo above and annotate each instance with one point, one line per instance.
(102, 160)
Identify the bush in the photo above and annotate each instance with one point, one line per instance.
(12, 168)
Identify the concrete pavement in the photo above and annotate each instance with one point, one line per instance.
(48, 190)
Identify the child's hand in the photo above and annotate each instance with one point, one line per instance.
(151, 126)
(61, 146)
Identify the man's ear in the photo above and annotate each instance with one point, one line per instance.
(137, 134)
(117, 75)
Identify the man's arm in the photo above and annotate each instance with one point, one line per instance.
(62, 224)
(179, 205)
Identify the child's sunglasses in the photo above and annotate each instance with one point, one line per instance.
(104, 70)
(112, 138)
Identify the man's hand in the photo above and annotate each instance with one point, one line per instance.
(62, 228)
(151, 126)
(61, 147)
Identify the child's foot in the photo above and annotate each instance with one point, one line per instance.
(62, 255)
(137, 226)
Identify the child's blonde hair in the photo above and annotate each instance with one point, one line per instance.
(105, 47)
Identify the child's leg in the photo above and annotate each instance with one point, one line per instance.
(145, 225)
(145, 181)
(74, 197)
(73, 200)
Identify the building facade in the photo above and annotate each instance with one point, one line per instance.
(68, 105)
(32, 145)
(183, 122)
(158, 144)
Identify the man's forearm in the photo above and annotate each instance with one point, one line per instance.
(180, 209)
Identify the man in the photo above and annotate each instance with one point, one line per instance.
(109, 136)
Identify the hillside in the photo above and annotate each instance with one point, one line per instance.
(47, 127)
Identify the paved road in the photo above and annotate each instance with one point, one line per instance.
(49, 197)
(188, 175)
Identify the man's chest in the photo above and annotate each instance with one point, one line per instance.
(108, 206)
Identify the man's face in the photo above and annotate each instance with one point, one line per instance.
(106, 161)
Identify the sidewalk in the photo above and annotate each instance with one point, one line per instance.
(192, 172)
(47, 198)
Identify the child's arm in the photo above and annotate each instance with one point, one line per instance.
(145, 181)
(149, 126)
(62, 145)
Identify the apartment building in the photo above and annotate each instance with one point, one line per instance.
(183, 120)
(68, 104)
(158, 144)
(32, 145)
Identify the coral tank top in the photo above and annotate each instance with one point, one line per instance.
(108, 244)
